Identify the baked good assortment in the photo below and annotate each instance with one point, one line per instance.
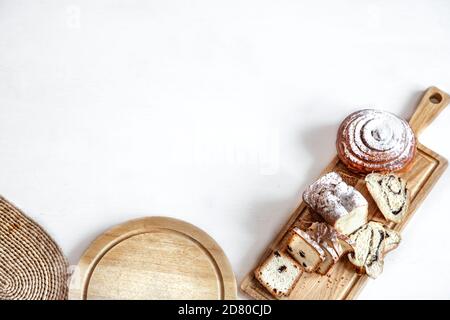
(346, 232)
(339, 204)
(373, 144)
(375, 141)
(390, 194)
(278, 274)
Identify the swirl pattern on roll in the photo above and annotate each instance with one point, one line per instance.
(375, 141)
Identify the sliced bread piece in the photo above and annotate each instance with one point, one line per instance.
(323, 232)
(368, 250)
(339, 204)
(305, 250)
(278, 274)
(331, 257)
(375, 260)
(361, 239)
(390, 194)
(371, 242)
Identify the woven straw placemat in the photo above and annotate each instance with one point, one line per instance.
(32, 266)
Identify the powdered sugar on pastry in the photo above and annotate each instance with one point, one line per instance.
(341, 205)
(373, 140)
(323, 232)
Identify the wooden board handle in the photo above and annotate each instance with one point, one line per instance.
(431, 104)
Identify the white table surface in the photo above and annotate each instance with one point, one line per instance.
(215, 112)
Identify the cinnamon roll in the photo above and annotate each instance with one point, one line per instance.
(375, 141)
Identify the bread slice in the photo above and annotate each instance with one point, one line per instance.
(369, 248)
(323, 232)
(331, 257)
(375, 260)
(332, 242)
(278, 274)
(339, 204)
(390, 194)
(362, 239)
(305, 250)
(371, 243)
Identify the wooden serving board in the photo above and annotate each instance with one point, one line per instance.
(343, 282)
(153, 258)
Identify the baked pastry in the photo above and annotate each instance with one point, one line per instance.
(339, 204)
(278, 274)
(390, 194)
(333, 243)
(331, 257)
(371, 243)
(375, 141)
(323, 232)
(305, 250)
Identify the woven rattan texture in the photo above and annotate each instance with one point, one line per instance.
(32, 267)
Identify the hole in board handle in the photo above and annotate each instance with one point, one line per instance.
(436, 98)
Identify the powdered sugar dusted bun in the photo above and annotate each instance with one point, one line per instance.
(375, 141)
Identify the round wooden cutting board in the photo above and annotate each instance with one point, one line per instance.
(153, 258)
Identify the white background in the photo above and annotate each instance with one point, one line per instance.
(215, 112)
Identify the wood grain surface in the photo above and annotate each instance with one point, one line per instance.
(153, 258)
(343, 282)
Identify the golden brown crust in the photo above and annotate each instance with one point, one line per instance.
(361, 156)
